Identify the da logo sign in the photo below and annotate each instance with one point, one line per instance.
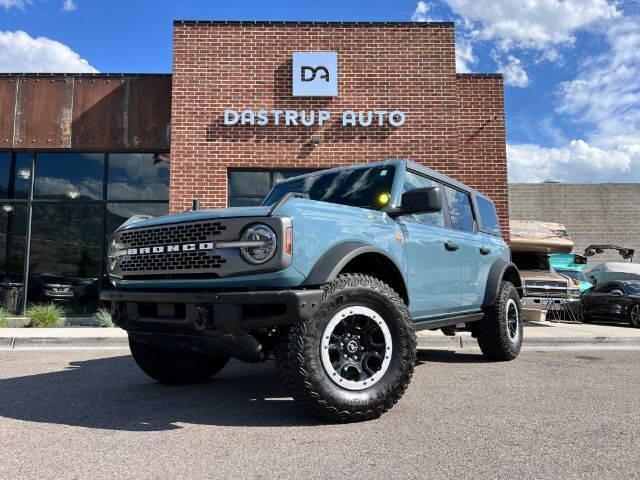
(315, 74)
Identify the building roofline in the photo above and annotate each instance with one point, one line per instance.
(480, 75)
(310, 23)
(90, 75)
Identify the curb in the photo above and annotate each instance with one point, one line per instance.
(25, 343)
(466, 342)
(424, 343)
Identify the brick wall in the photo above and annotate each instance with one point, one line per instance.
(481, 152)
(592, 213)
(408, 67)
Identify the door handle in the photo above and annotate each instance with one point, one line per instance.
(485, 250)
(451, 246)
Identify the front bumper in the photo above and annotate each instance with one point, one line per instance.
(193, 312)
(549, 303)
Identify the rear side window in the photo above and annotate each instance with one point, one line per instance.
(488, 216)
(460, 209)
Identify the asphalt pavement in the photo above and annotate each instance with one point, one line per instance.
(550, 414)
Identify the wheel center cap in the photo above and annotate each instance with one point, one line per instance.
(352, 346)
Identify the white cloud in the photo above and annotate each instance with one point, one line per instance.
(421, 13)
(464, 55)
(7, 4)
(19, 52)
(514, 72)
(69, 6)
(532, 24)
(576, 162)
(606, 92)
(605, 97)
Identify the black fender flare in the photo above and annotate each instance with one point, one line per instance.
(337, 257)
(501, 269)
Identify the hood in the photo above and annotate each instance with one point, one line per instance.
(195, 215)
(540, 275)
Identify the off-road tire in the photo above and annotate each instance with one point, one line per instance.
(492, 331)
(298, 357)
(174, 366)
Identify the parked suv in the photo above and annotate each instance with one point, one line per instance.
(331, 275)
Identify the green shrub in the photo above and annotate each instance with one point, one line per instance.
(103, 317)
(44, 315)
(4, 317)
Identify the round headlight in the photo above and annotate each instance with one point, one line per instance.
(261, 244)
(113, 254)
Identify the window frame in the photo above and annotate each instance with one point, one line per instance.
(480, 226)
(445, 207)
(30, 200)
(475, 229)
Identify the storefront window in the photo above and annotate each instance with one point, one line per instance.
(15, 175)
(64, 265)
(13, 225)
(248, 187)
(72, 217)
(118, 213)
(69, 176)
(136, 176)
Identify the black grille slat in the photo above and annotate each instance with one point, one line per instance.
(171, 262)
(159, 262)
(195, 232)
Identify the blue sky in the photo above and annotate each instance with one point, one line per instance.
(572, 67)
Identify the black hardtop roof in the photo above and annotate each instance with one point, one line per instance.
(410, 166)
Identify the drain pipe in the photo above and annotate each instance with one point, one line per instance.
(196, 204)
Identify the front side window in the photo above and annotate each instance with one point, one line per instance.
(412, 181)
(358, 187)
(460, 209)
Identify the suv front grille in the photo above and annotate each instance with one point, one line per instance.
(166, 263)
(545, 288)
(194, 232)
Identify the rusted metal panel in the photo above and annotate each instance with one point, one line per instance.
(7, 110)
(99, 113)
(43, 113)
(149, 112)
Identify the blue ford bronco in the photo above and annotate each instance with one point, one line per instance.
(332, 275)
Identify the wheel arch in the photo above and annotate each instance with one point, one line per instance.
(501, 270)
(358, 257)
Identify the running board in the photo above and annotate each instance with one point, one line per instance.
(445, 322)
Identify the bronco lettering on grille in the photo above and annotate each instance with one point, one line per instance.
(186, 247)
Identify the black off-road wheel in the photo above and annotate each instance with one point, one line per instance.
(174, 366)
(500, 332)
(353, 360)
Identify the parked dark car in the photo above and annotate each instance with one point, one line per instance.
(617, 301)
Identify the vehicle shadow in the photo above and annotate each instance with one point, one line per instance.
(113, 394)
(449, 356)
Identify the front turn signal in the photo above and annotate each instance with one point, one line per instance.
(288, 241)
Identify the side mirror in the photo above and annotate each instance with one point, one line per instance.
(422, 200)
(617, 293)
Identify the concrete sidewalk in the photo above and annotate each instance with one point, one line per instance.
(536, 334)
(548, 334)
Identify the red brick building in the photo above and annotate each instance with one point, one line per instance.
(454, 122)
(81, 153)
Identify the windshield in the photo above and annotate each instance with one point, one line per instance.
(358, 187)
(581, 277)
(531, 261)
(632, 288)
